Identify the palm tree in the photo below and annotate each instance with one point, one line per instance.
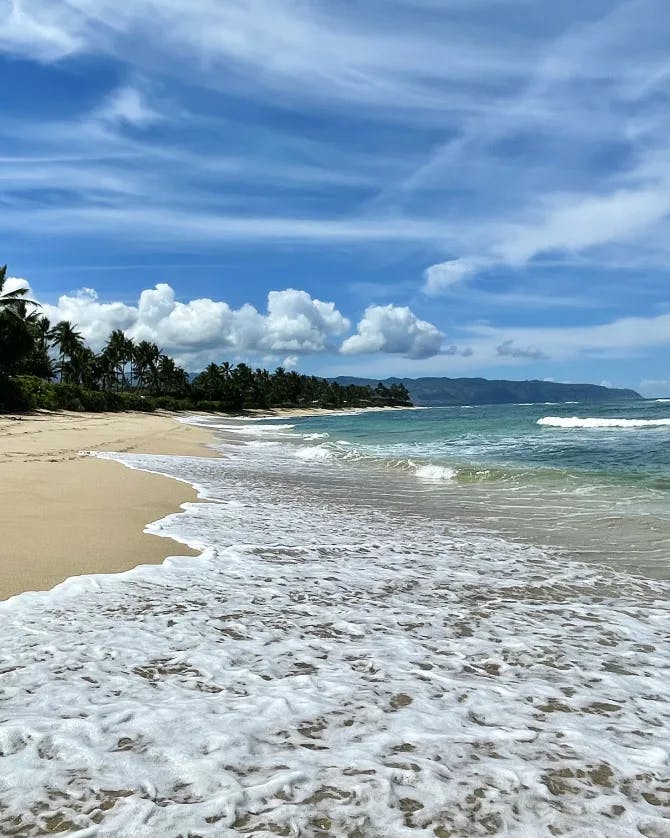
(119, 348)
(172, 380)
(83, 367)
(41, 328)
(106, 370)
(210, 382)
(69, 342)
(38, 362)
(145, 362)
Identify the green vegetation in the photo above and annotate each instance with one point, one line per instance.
(51, 367)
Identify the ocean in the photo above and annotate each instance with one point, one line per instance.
(440, 622)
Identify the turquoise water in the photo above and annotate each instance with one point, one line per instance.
(593, 479)
(507, 438)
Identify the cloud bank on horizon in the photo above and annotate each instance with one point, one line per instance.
(473, 187)
(197, 331)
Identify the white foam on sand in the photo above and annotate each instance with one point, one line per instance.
(594, 422)
(327, 667)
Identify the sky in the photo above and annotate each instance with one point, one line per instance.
(362, 187)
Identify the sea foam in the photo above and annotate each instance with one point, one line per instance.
(332, 666)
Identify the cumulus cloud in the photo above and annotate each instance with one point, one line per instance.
(441, 276)
(94, 318)
(509, 349)
(396, 330)
(13, 283)
(294, 323)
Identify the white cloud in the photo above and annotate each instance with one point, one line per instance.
(127, 105)
(14, 283)
(444, 274)
(203, 328)
(294, 324)
(95, 319)
(574, 223)
(153, 223)
(395, 330)
(299, 323)
(47, 32)
(198, 331)
(316, 49)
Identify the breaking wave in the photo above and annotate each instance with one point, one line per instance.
(595, 422)
(431, 472)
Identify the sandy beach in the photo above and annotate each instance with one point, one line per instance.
(64, 514)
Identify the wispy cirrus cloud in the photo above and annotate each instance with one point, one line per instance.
(314, 49)
(511, 168)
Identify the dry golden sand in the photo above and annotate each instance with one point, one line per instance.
(63, 515)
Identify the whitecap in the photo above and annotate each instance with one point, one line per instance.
(432, 472)
(595, 422)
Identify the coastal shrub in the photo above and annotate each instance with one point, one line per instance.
(133, 401)
(210, 406)
(39, 393)
(68, 397)
(95, 401)
(171, 403)
(13, 397)
(113, 401)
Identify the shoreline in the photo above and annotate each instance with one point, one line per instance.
(66, 514)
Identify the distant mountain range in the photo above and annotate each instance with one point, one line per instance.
(432, 392)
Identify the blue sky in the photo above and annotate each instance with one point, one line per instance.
(411, 187)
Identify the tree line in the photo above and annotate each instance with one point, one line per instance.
(51, 366)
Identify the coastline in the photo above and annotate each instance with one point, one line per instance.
(65, 514)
